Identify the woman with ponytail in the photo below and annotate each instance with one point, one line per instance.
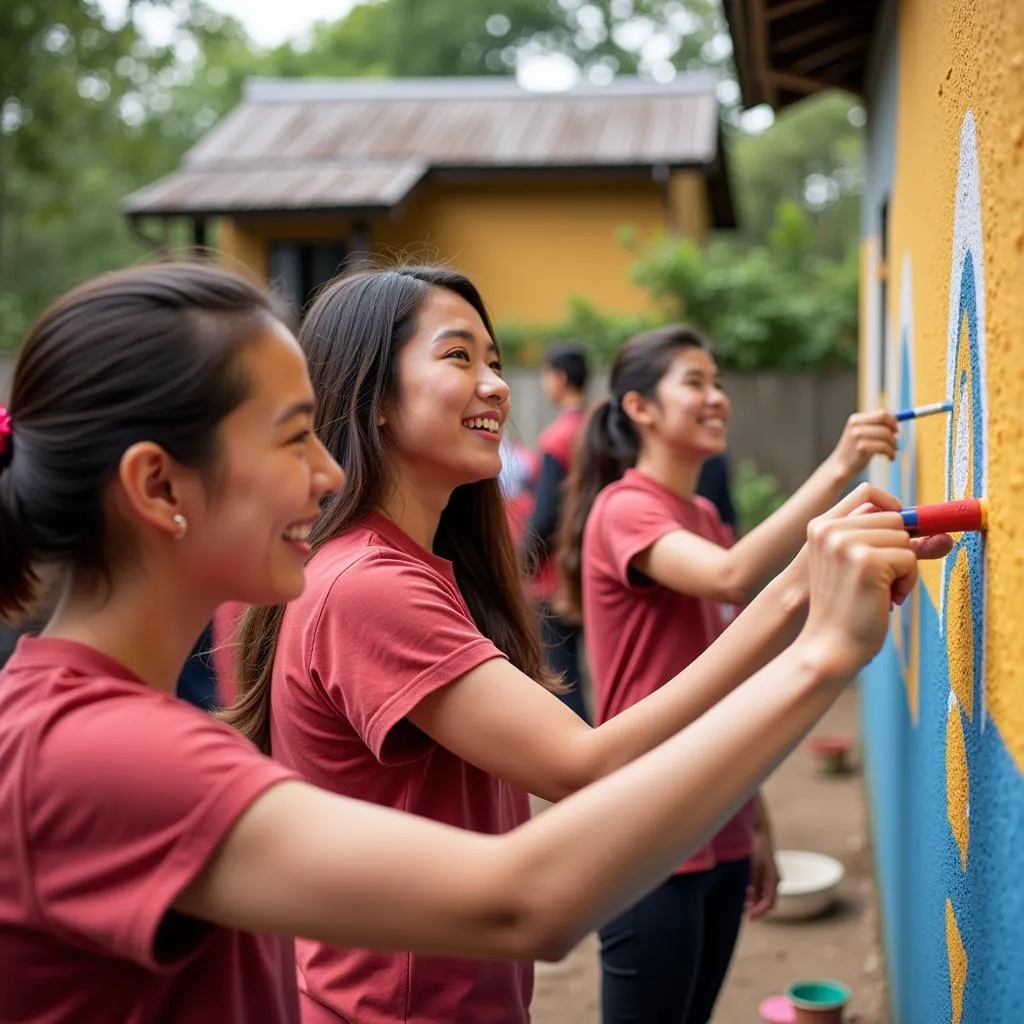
(156, 461)
(409, 674)
(656, 578)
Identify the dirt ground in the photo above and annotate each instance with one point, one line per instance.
(810, 812)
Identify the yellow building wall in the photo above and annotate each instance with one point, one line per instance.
(947, 764)
(242, 249)
(958, 61)
(529, 247)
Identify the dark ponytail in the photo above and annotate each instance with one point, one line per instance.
(610, 445)
(18, 579)
(146, 354)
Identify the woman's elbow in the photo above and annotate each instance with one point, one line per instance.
(541, 930)
(581, 765)
(733, 587)
(535, 899)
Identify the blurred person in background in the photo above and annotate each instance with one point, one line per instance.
(563, 379)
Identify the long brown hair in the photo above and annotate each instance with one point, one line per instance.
(610, 444)
(352, 335)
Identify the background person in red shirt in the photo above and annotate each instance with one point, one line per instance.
(409, 672)
(656, 577)
(158, 456)
(564, 381)
(518, 480)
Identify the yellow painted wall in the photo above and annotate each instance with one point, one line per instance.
(241, 247)
(529, 247)
(958, 57)
(947, 765)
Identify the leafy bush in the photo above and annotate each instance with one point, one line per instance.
(762, 307)
(756, 495)
(524, 344)
(776, 306)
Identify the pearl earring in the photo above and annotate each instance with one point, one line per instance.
(181, 523)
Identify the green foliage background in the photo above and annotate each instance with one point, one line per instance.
(90, 111)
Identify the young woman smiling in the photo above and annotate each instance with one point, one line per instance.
(656, 577)
(407, 672)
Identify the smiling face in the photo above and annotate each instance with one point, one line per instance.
(690, 412)
(446, 420)
(247, 533)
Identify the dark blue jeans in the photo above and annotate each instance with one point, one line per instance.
(663, 961)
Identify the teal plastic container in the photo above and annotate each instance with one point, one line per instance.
(818, 1002)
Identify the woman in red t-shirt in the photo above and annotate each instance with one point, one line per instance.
(406, 673)
(158, 455)
(656, 577)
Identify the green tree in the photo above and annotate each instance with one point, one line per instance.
(771, 306)
(87, 113)
(411, 38)
(810, 158)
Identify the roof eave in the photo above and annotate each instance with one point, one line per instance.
(208, 212)
(766, 67)
(713, 167)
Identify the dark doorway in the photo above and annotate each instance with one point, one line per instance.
(299, 269)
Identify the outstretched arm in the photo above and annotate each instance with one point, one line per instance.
(303, 862)
(686, 563)
(500, 720)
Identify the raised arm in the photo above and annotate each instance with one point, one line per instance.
(502, 721)
(686, 563)
(306, 863)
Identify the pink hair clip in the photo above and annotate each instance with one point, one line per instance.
(5, 430)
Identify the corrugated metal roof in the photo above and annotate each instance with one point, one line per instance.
(316, 185)
(311, 143)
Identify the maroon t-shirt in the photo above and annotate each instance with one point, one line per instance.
(380, 625)
(639, 634)
(113, 797)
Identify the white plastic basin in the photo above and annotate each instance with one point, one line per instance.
(807, 883)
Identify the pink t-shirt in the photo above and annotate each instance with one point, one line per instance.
(381, 625)
(638, 634)
(225, 650)
(113, 797)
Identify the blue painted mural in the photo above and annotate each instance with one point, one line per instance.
(947, 796)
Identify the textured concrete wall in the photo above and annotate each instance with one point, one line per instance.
(944, 703)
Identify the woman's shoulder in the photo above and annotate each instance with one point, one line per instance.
(629, 495)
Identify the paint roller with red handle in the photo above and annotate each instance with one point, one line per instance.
(964, 515)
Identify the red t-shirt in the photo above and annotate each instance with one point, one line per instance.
(556, 440)
(113, 796)
(380, 625)
(638, 634)
(225, 650)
